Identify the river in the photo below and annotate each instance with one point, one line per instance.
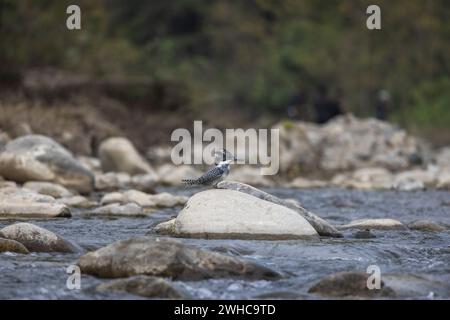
(417, 255)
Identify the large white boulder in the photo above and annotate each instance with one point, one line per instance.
(233, 214)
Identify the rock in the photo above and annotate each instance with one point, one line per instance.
(417, 286)
(426, 225)
(349, 284)
(251, 176)
(112, 181)
(23, 203)
(365, 178)
(36, 239)
(4, 139)
(48, 188)
(377, 224)
(409, 185)
(160, 200)
(322, 227)
(129, 209)
(230, 214)
(443, 179)
(299, 145)
(118, 154)
(173, 175)
(167, 227)
(8, 184)
(144, 182)
(149, 287)
(38, 158)
(77, 202)
(113, 197)
(91, 163)
(7, 245)
(348, 143)
(167, 258)
(303, 183)
(442, 157)
(364, 234)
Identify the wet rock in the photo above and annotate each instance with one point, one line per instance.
(36, 239)
(167, 227)
(149, 287)
(7, 245)
(23, 203)
(129, 209)
(426, 225)
(416, 179)
(167, 258)
(173, 175)
(77, 202)
(230, 214)
(39, 158)
(417, 286)
(364, 234)
(349, 284)
(322, 227)
(145, 200)
(377, 224)
(48, 188)
(118, 154)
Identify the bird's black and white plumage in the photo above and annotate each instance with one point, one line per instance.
(212, 177)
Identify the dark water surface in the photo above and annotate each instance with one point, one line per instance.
(422, 259)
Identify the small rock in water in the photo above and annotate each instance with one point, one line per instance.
(36, 239)
(364, 234)
(349, 284)
(167, 258)
(129, 209)
(24, 203)
(7, 245)
(145, 286)
(48, 188)
(145, 200)
(77, 202)
(376, 224)
(426, 225)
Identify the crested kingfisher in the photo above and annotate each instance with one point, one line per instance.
(212, 177)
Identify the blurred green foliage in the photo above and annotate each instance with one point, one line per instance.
(249, 55)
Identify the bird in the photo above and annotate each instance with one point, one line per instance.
(213, 176)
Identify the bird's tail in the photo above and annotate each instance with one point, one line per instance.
(189, 182)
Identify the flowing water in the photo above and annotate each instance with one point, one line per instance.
(422, 258)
